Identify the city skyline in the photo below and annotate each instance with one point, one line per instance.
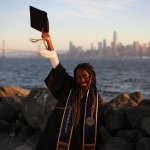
(113, 43)
(81, 21)
(115, 49)
(103, 49)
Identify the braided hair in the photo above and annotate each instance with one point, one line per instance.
(89, 69)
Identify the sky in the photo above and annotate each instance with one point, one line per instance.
(81, 21)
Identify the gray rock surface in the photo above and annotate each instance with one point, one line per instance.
(38, 106)
(136, 114)
(143, 144)
(145, 125)
(125, 119)
(9, 107)
(117, 143)
(114, 112)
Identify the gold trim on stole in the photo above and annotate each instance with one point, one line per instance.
(57, 147)
(90, 146)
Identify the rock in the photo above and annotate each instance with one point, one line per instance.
(117, 143)
(21, 116)
(114, 114)
(136, 114)
(25, 117)
(104, 134)
(9, 107)
(130, 135)
(136, 97)
(23, 147)
(13, 91)
(145, 126)
(145, 102)
(143, 144)
(5, 146)
(4, 125)
(37, 107)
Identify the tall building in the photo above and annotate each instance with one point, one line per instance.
(115, 39)
(136, 48)
(72, 49)
(104, 44)
(99, 46)
(70, 45)
(115, 44)
(92, 47)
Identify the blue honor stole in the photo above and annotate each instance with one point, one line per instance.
(89, 124)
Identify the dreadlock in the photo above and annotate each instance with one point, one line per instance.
(89, 69)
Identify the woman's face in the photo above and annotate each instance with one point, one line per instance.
(83, 78)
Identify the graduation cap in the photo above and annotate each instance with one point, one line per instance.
(39, 19)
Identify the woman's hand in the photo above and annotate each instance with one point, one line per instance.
(47, 38)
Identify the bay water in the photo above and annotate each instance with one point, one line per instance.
(114, 76)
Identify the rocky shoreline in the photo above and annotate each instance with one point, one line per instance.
(24, 112)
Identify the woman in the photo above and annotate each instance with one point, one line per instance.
(74, 123)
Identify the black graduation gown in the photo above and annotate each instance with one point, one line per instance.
(60, 83)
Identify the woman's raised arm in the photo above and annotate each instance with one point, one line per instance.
(50, 52)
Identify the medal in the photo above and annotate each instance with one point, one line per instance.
(90, 121)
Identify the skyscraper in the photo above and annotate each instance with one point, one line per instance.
(99, 46)
(115, 45)
(115, 38)
(104, 44)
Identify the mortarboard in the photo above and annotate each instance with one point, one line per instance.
(39, 19)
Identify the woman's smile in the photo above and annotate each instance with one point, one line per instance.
(83, 78)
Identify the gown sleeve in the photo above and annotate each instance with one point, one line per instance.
(59, 82)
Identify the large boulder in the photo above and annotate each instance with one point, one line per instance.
(9, 107)
(38, 106)
(136, 114)
(4, 124)
(114, 112)
(13, 91)
(105, 136)
(143, 144)
(23, 147)
(116, 143)
(130, 135)
(145, 102)
(145, 125)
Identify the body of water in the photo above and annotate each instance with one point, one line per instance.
(114, 76)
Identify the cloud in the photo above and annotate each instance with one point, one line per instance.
(91, 8)
(110, 4)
